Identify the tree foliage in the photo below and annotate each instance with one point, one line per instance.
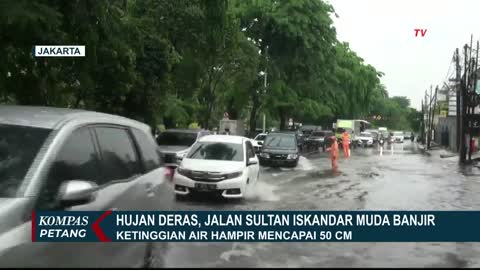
(189, 61)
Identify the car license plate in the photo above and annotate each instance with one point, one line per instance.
(205, 187)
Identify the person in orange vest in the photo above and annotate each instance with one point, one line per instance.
(333, 149)
(346, 144)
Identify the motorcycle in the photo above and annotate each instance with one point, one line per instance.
(381, 142)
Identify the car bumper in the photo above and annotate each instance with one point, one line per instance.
(367, 143)
(222, 187)
(277, 162)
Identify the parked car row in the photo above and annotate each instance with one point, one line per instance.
(224, 164)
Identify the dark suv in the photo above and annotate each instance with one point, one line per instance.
(318, 139)
(280, 150)
(174, 144)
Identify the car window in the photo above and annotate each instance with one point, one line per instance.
(119, 158)
(280, 141)
(177, 138)
(77, 159)
(151, 158)
(18, 147)
(250, 150)
(319, 134)
(217, 151)
(260, 137)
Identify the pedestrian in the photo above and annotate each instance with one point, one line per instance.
(346, 144)
(333, 149)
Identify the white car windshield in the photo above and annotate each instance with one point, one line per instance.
(217, 151)
(363, 134)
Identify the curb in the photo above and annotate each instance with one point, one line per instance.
(424, 151)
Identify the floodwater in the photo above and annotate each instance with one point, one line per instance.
(395, 178)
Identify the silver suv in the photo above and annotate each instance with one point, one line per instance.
(61, 159)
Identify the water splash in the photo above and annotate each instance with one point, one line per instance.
(237, 251)
(262, 191)
(304, 164)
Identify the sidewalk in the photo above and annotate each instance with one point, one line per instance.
(437, 150)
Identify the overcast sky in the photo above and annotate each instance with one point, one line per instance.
(382, 33)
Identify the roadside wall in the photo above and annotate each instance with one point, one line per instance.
(446, 132)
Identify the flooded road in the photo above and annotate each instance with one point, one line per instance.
(397, 178)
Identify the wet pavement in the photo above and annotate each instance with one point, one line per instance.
(397, 178)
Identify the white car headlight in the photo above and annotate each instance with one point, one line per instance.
(292, 156)
(181, 155)
(265, 155)
(183, 171)
(234, 175)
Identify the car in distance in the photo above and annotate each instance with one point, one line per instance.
(365, 139)
(225, 165)
(317, 139)
(398, 136)
(175, 143)
(375, 133)
(280, 150)
(258, 142)
(62, 159)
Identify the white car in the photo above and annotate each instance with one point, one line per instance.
(365, 139)
(258, 141)
(222, 164)
(398, 136)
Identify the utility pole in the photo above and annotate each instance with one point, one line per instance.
(427, 118)
(472, 78)
(434, 99)
(463, 150)
(265, 88)
(458, 91)
(429, 129)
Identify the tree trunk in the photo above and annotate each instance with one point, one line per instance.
(282, 118)
(253, 116)
(232, 111)
(208, 114)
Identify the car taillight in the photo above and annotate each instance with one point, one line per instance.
(169, 172)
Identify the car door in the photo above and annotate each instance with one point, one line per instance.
(160, 194)
(78, 158)
(254, 169)
(107, 156)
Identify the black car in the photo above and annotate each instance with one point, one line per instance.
(280, 150)
(317, 139)
(298, 135)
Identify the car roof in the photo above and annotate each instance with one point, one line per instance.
(283, 133)
(53, 117)
(224, 139)
(184, 130)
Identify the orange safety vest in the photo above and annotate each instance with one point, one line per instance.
(334, 149)
(345, 138)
